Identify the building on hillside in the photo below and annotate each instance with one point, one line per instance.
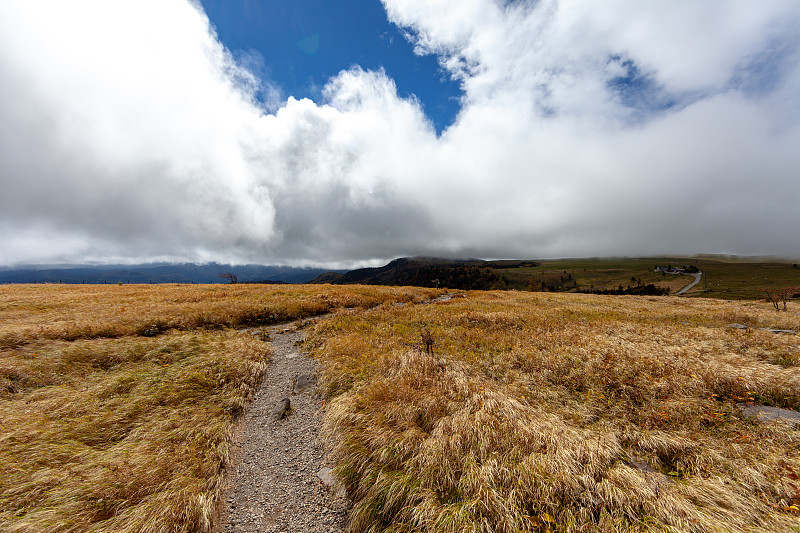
(670, 269)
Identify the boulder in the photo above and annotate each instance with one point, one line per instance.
(766, 414)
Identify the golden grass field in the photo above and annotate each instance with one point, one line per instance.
(529, 412)
(117, 403)
(563, 412)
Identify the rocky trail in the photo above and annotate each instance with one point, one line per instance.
(280, 481)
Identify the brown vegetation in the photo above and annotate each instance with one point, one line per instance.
(117, 402)
(71, 312)
(491, 412)
(515, 412)
(780, 295)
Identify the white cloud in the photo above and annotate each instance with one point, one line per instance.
(123, 121)
(127, 132)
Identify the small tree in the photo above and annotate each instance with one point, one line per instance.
(230, 276)
(778, 296)
(427, 342)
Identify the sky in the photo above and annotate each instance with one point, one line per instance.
(301, 44)
(343, 133)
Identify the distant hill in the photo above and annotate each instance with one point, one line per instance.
(722, 277)
(469, 274)
(159, 273)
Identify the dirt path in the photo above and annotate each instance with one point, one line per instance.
(275, 485)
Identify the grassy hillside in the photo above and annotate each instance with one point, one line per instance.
(562, 412)
(117, 402)
(744, 279)
(727, 278)
(600, 274)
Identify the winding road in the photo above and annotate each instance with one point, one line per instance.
(697, 278)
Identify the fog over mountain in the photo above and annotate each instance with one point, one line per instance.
(129, 134)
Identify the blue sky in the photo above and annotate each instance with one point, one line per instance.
(344, 132)
(300, 44)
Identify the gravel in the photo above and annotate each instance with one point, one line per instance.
(274, 484)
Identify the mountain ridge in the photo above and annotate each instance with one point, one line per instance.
(159, 273)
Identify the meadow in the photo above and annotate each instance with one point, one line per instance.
(492, 411)
(727, 278)
(744, 279)
(599, 274)
(514, 411)
(117, 403)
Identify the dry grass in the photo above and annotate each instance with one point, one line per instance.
(540, 412)
(71, 312)
(117, 403)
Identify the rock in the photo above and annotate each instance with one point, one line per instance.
(280, 410)
(656, 478)
(766, 414)
(263, 335)
(303, 382)
(641, 465)
(331, 482)
(784, 331)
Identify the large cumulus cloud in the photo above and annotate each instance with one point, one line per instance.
(128, 133)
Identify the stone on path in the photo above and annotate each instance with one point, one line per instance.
(280, 410)
(303, 382)
(331, 482)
